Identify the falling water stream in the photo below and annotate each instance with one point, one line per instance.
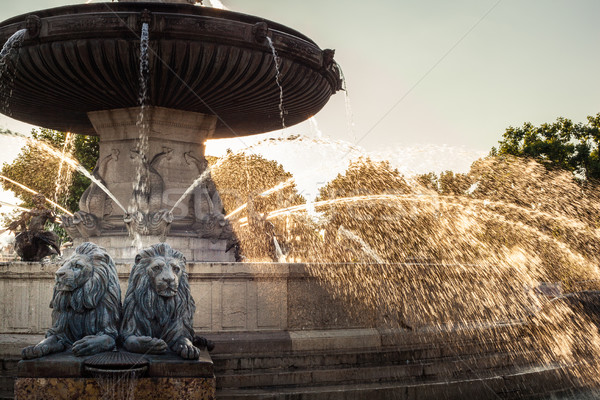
(115, 386)
(138, 201)
(13, 43)
(63, 177)
(8, 71)
(278, 81)
(348, 106)
(144, 68)
(140, 184)
(315, 127)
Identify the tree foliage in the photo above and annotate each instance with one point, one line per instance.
(365, 177)
(447, 183)
(240, 176)
(562, 144)
(360, 229)
(508, 212)
(242, 179)
(38, 170)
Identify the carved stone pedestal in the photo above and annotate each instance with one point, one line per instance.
(148, 159)
(169, 162)
(63, 376)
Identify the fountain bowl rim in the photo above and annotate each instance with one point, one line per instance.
(60, 77)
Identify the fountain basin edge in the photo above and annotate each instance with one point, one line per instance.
(85, 58)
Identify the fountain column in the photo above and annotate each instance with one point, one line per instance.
(170, 162)
(175, 147)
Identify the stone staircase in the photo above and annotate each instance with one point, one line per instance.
(369, 364)
(416, 369)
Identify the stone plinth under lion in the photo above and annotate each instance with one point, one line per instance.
(65, 376)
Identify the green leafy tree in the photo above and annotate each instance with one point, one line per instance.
(359, 219)
(242, 179)
(447, 183)
(562, 144)
(38, 170)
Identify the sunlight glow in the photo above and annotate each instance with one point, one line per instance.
(34, 192)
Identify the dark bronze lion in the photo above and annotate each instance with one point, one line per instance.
(86, 305)
(158, 306)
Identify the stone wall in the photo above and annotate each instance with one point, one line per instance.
(259, 297)
(229, 297)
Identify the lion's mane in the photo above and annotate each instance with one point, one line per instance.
(146, 313)
(92, 309)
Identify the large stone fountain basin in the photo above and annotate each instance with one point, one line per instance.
(83, 58)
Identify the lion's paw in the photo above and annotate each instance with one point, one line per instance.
(188, 352)
(37, 351)
(45, 347)
(92, 345)
(145, 344)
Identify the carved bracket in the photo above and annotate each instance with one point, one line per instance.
(33, 24)
(329, 65)
(81, 224)
(157, 223)
(260, 30)
(328, 55)
(146, 17)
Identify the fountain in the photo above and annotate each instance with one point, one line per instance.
(155, 80)
(209, 74)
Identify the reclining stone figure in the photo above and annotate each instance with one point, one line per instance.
(158, 306)
(33, 242)
(86, 305)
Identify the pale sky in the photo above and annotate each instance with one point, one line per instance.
(439, 72)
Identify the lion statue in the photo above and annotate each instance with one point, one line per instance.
(86, 305)
(158, 307)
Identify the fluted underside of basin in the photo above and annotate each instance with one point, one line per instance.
(86, 58)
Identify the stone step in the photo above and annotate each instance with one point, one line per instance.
(451, 367)
(230, 363)
(567, 394)
(224, 362)
(527, 383)
(300, 359)
(461, 341)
